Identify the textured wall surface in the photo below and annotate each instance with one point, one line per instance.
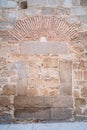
(43, 60)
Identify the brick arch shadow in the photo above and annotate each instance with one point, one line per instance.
(54, 28)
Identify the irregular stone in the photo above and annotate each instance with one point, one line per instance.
(32, 92)
(50, 62)
(77, 75)
(4, 101)
(5, 118)
(85, 75)
(3, 81)
(84, 91)
(61, 114)
(9, 90)
(79, 102)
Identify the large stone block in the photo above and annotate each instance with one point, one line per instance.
(83, 19)
(78, 11)
(36, 2)
(85, 75)
(8, 4)
(67, 3)
(32, 113)
(5, 118)
(75, 2)
(42, 102)
(54, 3)
(84, 91)
(83, 2)
(44, 48)
(61, 114)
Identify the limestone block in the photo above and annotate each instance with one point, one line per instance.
(34, 82)
(36, 3)
(9, 90)
(78, 11)
(61, 114)
(83, 2)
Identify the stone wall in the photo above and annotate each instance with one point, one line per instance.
(43, 60)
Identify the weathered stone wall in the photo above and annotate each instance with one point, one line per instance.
(40, 80)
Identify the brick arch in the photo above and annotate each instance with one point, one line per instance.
(54, 28)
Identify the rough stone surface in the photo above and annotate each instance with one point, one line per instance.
(43, 60)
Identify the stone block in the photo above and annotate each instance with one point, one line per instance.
(9, 90)
(8, 4)
(32, 11)
(4, 101)
(48, 11)
(54, 3)
(75, 2)
(61, 114)
(78, 11)
(65, 72)
(83, 2)
(83, 19)
(42, 101)
(67, 3)
(36, 3)
(85, 75)
(43, 48)
(32, 113)
(58, 101)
